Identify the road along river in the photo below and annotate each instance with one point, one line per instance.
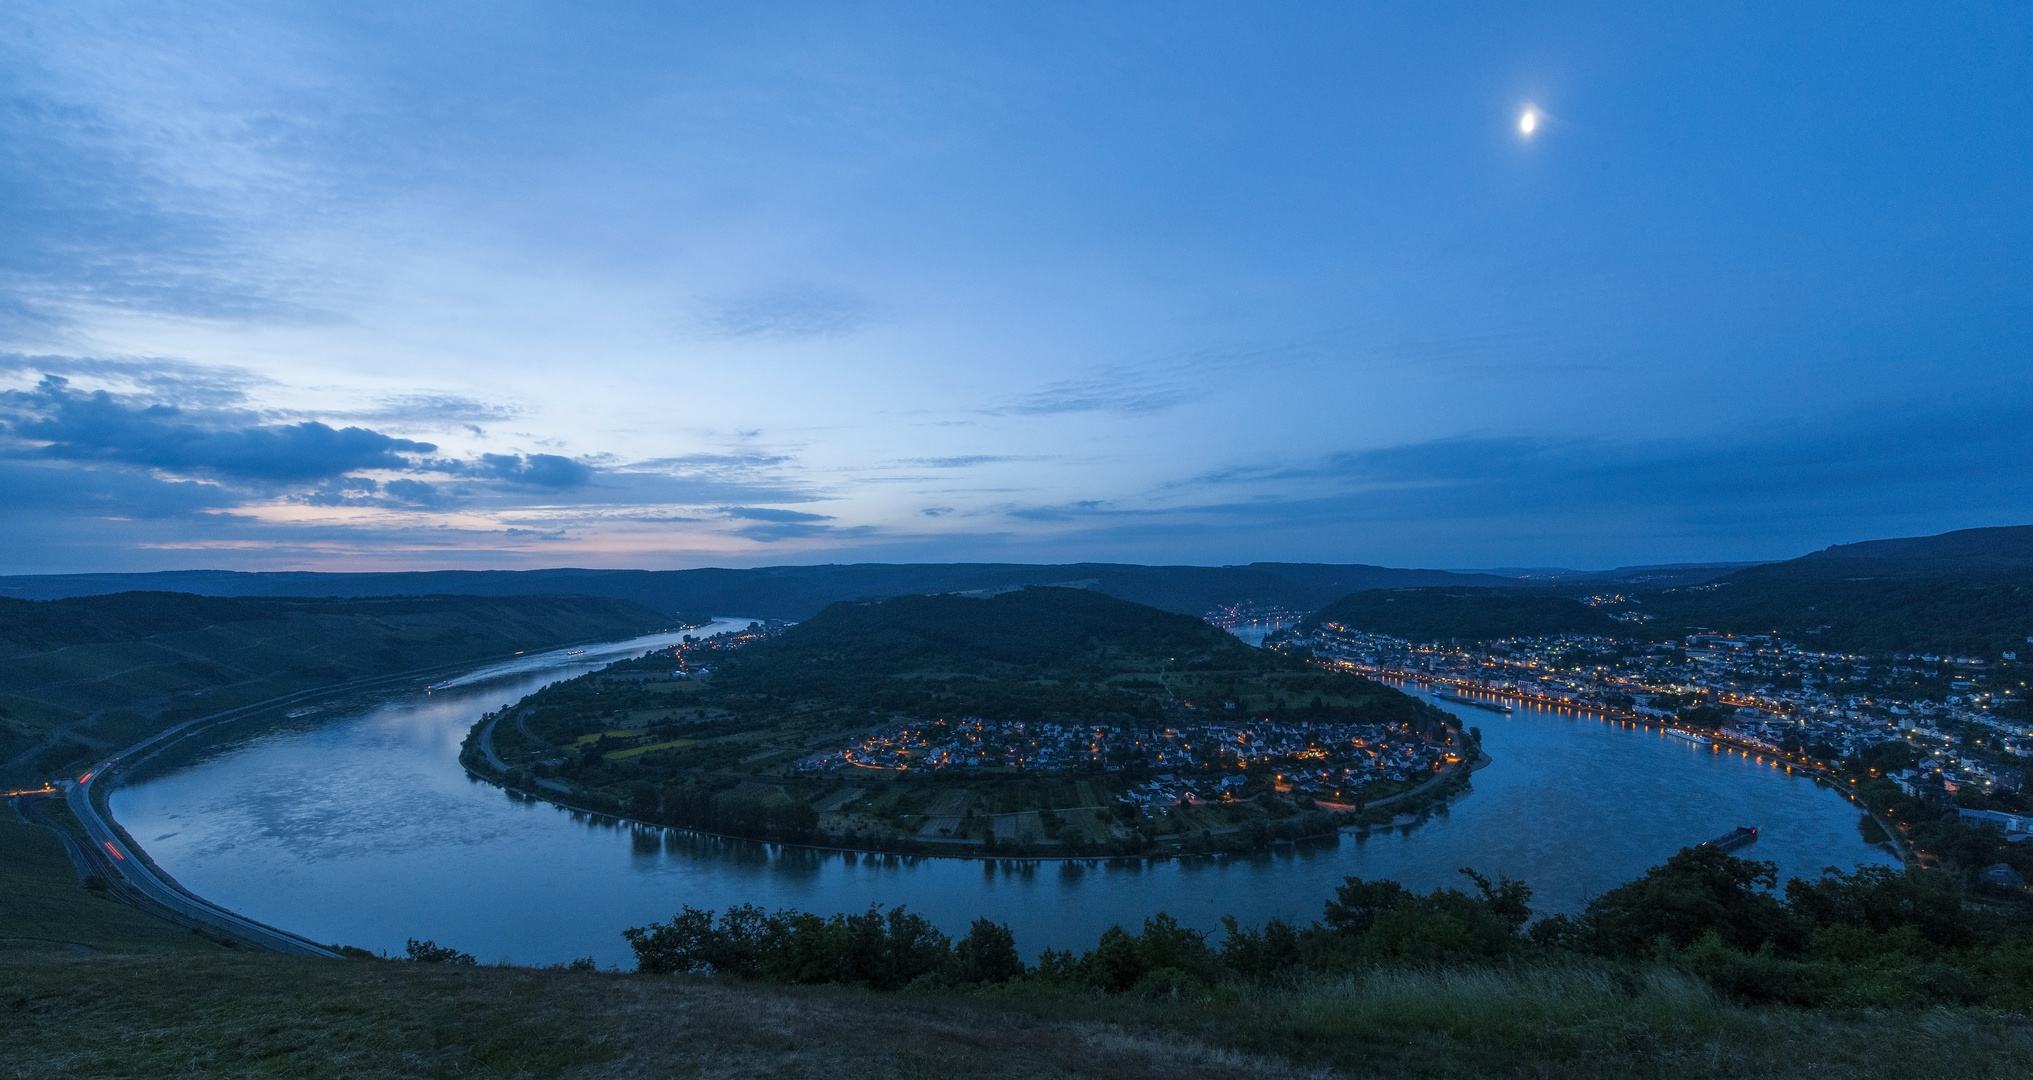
(359, 826)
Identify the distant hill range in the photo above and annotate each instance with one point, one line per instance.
(1966, 593)
(792, 592)
(2002, 550)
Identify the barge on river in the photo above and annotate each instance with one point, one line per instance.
(1743, 835)
(1457, 699)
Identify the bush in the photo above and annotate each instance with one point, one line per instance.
(430, 952)
(881, 950)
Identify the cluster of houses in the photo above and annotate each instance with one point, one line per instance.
(1779, 695)
(1310, 750)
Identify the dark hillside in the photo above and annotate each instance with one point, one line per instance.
(1966, 592)
(1464, 614)
(1979, 614)
(89, 674)
(1034, 628)
(1966, 551)
(850, 650)
(27, 625)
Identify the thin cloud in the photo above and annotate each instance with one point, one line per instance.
(1138, 389)
(763, 513)
(161, 379)
(797, 311)
(966, 461)
(1124, 394)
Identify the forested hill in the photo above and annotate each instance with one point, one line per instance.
(89, 674)
(1963, 552)
(1980, 614)
(793, 592)
(1464, 614)
(1025, 633)
(1968, 592)
(1965, 593)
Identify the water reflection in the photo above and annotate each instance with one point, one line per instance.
(363, 829)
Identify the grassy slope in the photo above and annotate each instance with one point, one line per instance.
(71, 1015)
(43, 908)
(248, 1016)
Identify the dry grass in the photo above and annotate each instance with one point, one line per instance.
(68, 1015)
(1585, 1022)
(104, 1016)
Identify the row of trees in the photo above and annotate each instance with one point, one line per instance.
(1875, 937)
(877, 949)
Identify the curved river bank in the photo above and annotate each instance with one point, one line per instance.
(361, 828)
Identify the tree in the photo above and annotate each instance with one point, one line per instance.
(1357, 903)
(988, 954)
(1698, 890)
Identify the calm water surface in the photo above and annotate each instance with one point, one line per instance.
(362, 828)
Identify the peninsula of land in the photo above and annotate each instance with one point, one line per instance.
(1042, 721)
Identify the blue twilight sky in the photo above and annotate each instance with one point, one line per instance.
(527, 284)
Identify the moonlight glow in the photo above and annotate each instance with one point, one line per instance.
(1528, 121)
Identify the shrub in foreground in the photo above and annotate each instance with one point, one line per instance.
(1877, 937)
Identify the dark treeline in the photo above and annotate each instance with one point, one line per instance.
(1873, 938)
(1436, 614)
(1018, 655)
(1975, 612)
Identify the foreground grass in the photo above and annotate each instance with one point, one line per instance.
(69, 1014)
(1574, 1022)
(43, 907)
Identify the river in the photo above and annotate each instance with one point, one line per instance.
(360, 827)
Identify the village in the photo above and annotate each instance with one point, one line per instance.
(1185, 762)
(1758, 691)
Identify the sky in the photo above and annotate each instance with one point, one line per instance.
(510, 285)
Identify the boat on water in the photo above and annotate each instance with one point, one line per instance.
(1689, 736)
(1730, 841)
(437, 686)
(575, 652)
(1457, 699)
